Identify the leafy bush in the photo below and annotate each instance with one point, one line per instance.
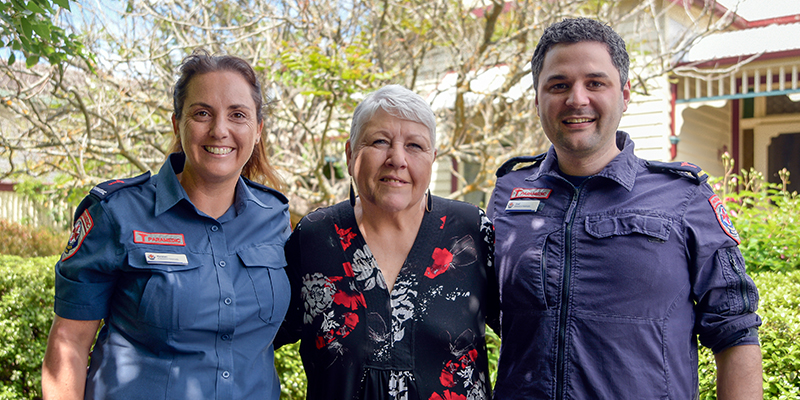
(766, 216)
(24, 241)
(779, 309)
(26, 301)
(26, 312)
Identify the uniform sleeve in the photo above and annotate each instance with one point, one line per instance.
(725, 297)
(87, 271)
(493, 291)
(291, 329)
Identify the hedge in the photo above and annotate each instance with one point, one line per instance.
(26, 301)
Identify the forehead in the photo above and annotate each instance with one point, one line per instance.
(227, 85)
(566, 60)
(384, 123)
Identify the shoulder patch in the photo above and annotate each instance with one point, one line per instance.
(685, 169)
(723, 218)
(83, 224)
(103, 190)
(518, 163)
(267, 189)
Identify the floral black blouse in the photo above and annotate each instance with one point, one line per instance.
(425, 339)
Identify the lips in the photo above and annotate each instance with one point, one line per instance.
(575, 120)
(218, 150)
(392, 180)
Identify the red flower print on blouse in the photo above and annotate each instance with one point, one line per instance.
(469, 358)
(447, 395)
(442, 258)
(348, 270)
(348, 300)
(446, 377)
(344, 236)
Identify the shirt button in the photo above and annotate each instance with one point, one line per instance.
(228, 301)
(222, 264)
(226, 374)
(214, 228)
(226, 337)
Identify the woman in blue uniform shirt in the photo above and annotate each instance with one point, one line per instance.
(186, 267)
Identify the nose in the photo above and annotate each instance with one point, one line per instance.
(577, 97)
(396, 156)
(219, 127)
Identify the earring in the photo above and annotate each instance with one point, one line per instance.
(352, 194)
(430, 201)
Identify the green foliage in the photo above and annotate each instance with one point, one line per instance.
(26, 301)
(26, 312)
(290, 370)
(27, 26)
(25, 241)
(766, 216)
(779, 309)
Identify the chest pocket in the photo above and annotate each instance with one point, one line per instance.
(168, 296)
(265, 266)
(603, 226)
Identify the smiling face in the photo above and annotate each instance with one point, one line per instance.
(580, 101)
(391, 163)
(218, 128)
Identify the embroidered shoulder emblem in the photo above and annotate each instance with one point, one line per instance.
(80, 229)
(723, 218)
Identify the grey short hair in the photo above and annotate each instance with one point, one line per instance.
(398, 102)
(581, 30)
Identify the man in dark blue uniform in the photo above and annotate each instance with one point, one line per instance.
(611, 266)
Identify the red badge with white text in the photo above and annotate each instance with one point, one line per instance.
(723, 218)
(165, 239)
(80, 229)
(530, 193)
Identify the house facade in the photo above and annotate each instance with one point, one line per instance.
(736, 91)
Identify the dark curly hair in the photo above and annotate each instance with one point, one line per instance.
(576, 30)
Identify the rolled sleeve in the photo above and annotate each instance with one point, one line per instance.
(726, 297)
(85, 280)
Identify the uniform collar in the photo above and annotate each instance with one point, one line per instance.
(169, 191)
(622, 169)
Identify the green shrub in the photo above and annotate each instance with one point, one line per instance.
(766, 216)
(24, 241)
(779, 308)
(26, 313)
(26, 306)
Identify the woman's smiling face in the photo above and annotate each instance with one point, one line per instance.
(218, 128)
(392, 162)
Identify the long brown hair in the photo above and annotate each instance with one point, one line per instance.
(257, 169)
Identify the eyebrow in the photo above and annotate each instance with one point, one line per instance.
(231, 107)
(562, 77)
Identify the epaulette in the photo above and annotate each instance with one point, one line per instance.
(518, 163)
(267, 189)
(105, 189)
(685, 169)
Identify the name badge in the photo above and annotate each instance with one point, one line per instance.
(166, 259)
(524, 206)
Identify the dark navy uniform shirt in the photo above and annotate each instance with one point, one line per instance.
(191, 303)
(605, 287)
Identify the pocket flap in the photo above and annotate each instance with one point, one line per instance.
(603, 226)
(154, 259)
(263, 256)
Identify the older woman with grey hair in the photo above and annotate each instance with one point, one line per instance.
(393, 288)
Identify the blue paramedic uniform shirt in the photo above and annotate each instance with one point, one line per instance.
(191, 304)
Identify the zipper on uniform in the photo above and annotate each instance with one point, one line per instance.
(565, 283)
